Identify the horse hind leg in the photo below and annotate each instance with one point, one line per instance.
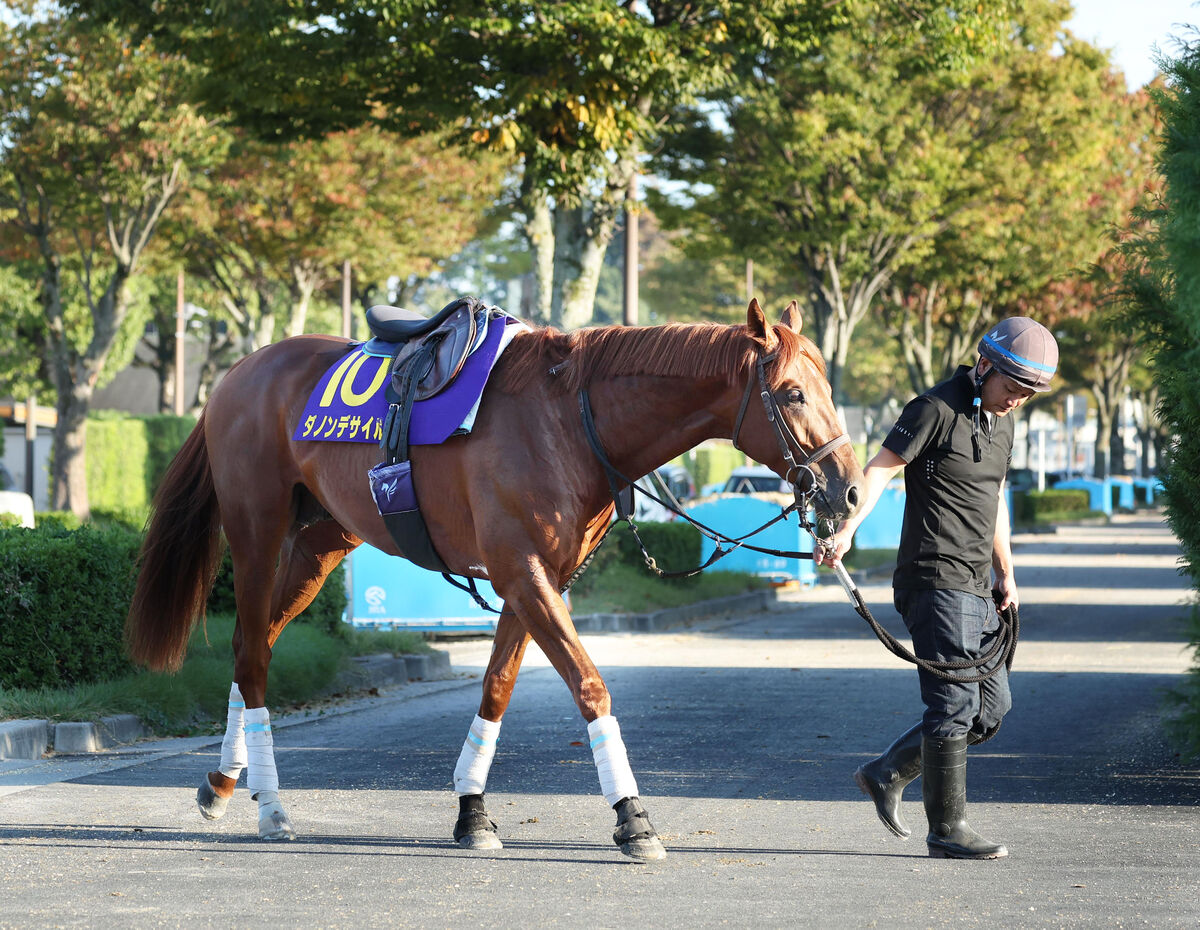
(309, 555)
(217, 788)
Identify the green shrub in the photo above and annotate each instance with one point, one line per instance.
(115, 459)
(165, 434)
(325, 611)
(674, 546)
(713, 462)
(1032, 505)
(63, 599)
(127, 457)
(56, 520)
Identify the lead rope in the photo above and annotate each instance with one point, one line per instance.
(1006, 641)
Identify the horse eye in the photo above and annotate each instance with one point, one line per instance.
(794, 396)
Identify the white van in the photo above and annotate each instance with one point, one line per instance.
(755, 479)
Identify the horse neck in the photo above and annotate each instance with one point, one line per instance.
(647, 421)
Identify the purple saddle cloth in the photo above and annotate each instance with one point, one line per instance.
(348, 403)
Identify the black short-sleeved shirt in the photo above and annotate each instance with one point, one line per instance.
(950, 499)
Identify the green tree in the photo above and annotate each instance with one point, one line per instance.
(267, 232)
(1162, 290)
(860, 165)
(576, 91)
(96, 138)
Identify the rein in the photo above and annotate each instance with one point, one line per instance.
(795, 477)
(958, 672)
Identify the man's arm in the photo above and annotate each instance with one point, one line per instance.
(1002, 560)
(879, 471)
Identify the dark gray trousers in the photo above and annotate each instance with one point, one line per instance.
(952, 626)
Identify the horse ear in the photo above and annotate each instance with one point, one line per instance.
(756, 323)
(791, 317)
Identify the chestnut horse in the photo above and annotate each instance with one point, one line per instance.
(520, 501)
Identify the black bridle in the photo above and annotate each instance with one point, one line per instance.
(785, 437)
(796, 472)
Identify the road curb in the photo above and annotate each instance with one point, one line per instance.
(24, 739)
(672, 618)
(33, 739)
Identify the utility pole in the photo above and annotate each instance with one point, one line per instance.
(749, 280)
(631, 253)
(30, 441)
(180, 330)
(346, 321)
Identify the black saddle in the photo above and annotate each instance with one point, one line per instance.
(429, 352)
(395, 324)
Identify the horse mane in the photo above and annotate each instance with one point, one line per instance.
(569, 362)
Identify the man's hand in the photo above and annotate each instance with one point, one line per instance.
(1005, 594)
(836, 546)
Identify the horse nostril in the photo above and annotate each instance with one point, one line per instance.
(852, 498)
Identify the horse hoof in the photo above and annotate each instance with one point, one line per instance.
(479, 841)
(644, 849)
(273, 823)
(635, 835)
(474, 829)
(212, 805)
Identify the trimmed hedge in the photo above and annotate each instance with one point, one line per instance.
(127, 457)
(712, 463)
(325, 611)
(63, 599)
(1031, 505)
(64, 593)
(675, 547)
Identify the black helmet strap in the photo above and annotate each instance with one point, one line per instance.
(976, 406)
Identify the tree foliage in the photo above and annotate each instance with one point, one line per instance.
(96, 139)
(575, 91)
(1162, 290)
(862, 168)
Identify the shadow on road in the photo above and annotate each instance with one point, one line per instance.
(1073, 738)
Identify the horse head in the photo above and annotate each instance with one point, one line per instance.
(794, 428)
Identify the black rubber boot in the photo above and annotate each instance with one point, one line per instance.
(883, 780)
(944, 787)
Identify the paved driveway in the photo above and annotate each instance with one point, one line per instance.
(743, 735)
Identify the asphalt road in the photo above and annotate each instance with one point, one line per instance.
(743, 735)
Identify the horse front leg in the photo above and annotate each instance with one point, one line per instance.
(474, 829)
(541, 608)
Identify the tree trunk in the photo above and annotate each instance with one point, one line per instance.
(1104, 426)
(70, 440)
(217, 358)
(539, 232)
(581, 237)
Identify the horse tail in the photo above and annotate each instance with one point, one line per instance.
(179, 559)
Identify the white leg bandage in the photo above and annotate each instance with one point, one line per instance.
(612, 765)
(233, 747)
(260, 752)
(470, 775)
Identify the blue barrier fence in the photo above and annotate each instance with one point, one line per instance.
(737, 514)
(386, 592)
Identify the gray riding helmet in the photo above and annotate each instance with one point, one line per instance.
(1022, 349)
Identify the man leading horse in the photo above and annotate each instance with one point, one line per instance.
(954, 443)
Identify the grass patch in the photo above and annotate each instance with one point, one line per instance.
(367, 642)
(866, 559)
(304, 664)
(1065, 516)
(626, 588)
